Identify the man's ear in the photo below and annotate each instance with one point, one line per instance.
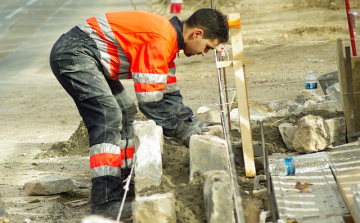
(197, 33)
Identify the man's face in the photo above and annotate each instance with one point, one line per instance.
(199, 46)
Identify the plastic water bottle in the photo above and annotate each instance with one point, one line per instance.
(300, 164)
(311, 82)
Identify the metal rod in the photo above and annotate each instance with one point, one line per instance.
(226, 96)
(236, 193)
(267, 174)
(351, 30)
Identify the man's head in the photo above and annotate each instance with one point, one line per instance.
(204, 30)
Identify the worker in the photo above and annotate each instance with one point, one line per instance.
(90, 60)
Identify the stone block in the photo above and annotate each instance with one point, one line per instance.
(159, 208)
(160, 134)
(148, 162)
(218, 197)
(336, 128)
(287, 131)
(311, 135)
(207, 153)
(48, 185)
(97, 219)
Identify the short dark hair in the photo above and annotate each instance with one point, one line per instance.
(212, 21)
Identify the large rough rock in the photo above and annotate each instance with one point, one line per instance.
(311, 135)
(287, 132)
(48, 185)
(336, 127)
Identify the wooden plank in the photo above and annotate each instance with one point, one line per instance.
(236, 40)
(242, 97)
(349, 82)
(344, 88)
(244, 117)
(355, 65)
(343, 83)
(347, 180)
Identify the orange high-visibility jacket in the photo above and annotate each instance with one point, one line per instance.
(143, 46)
(138, 45)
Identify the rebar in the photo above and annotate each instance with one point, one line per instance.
(235, 186)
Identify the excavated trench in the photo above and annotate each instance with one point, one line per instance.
(189, 201)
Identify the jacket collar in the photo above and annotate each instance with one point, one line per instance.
(178, 25)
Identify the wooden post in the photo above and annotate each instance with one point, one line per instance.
(349, 85)
(242, 98)
(350, 92)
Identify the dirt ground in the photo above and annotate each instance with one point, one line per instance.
(284, 39)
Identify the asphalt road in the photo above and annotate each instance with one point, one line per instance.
(28, 28)
(35, 112)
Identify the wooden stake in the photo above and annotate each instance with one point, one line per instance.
(350, 91)
(242, 98)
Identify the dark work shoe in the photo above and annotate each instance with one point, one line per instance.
(111, 210)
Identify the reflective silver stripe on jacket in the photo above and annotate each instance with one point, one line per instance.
(149, 78)
(103, 46)
(152, 96)
(171, 87)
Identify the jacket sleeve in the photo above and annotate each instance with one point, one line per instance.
(156, 90)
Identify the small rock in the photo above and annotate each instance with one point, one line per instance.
(48, 185)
